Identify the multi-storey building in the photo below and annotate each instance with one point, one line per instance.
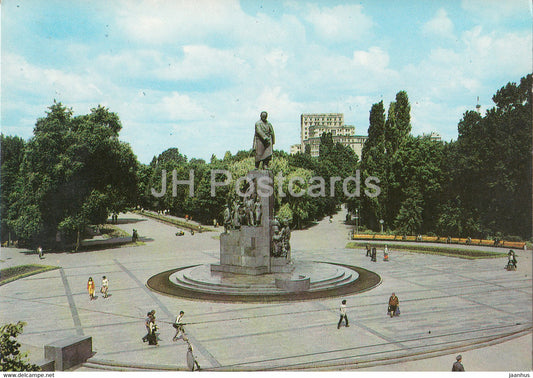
(312, 126)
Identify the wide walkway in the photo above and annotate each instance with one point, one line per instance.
(449, 306)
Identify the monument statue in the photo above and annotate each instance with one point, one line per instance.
(254, 242)
(263, 141)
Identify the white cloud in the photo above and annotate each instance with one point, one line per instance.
(201, 62)
(440, 25)
(177, 71)
(277, 58)
(463, 71)
(340, 23)
(180, 107)
(496, 53)
(27, 79)
(374, 59)
(160, 21)
(497, 10)
(185, 22)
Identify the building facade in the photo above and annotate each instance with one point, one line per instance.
(312, 126)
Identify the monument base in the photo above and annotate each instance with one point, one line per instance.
(244, 251)
(281, 265)
(251, 271)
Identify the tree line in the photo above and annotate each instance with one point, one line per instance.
(75, 172)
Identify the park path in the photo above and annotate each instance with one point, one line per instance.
(494, 307)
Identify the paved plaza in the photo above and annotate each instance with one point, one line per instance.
(449, 306)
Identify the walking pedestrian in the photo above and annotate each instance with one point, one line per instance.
(394, 305)
(457, 365)
(368, 250)
(342, 311)
(178, 324)
(191, 358)
(105, 286)
(152, 336)
(511, 259)
(151, 328)
(147, 321)
(91, 288)
(374, 254)
(40, 252)
(386, 254)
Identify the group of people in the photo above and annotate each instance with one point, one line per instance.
(372, 253)
(151, 329)
(152, 336)
(91, 287)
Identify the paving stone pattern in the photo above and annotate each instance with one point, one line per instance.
(448, 306)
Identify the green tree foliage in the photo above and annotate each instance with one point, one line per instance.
(418, 173)
(371, 210)
(12, 152)
(74, 172)
(490, 168)
(381, 158)
(11, 359)
(335, 160)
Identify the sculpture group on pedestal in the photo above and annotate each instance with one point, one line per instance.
(281, 236)
(246, 211)
(243, 212)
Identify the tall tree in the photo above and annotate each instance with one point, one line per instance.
(12, 152)
(371, 210)
(490, 167)
(74, 172)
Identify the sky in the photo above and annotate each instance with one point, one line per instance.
(196, 74)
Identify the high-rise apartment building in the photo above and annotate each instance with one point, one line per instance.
(312, 126)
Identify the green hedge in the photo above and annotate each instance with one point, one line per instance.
(453, 252)
(16, 272)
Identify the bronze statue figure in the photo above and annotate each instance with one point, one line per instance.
(263, 141)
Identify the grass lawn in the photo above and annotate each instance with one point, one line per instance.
(112, 231)
(16, 272)
(463, 253)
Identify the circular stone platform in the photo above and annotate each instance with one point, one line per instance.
(308, 280)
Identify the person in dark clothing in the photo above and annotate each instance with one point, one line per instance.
(151, 328)
(457, 365)
(512, 259)
(394, 302)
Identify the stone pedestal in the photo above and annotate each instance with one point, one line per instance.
(69, 352)
(247, 250)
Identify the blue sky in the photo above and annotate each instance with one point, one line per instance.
(196, 74)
